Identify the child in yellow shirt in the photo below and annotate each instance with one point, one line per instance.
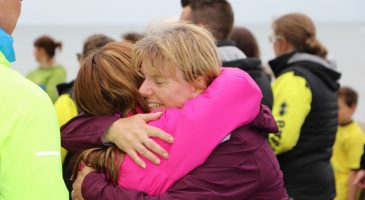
(348, 146)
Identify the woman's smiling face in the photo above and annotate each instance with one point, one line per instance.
(169, 91)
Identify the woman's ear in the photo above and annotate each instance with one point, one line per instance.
(200, 84)
(285, 46)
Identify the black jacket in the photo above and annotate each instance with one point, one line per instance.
(307, 169)
(231, 56)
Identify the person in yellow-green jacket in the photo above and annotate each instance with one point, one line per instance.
(49, 74)
(30, 164)
(66, 106)
(348, 147)
(305, 108)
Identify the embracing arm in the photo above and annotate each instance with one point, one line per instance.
(95, 187)
(83, 131)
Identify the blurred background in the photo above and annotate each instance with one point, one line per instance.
(340, 27)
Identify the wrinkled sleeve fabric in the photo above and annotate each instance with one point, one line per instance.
(85, 132)
(292, 104)
(96, 187)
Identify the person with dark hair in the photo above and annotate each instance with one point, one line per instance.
(348, 147)
(48, 74)
(185, 3)
(305, 108)
(217, 16)
(30, 164)
(132, 37)
(65, 104)
(247, 43)
(186, 9)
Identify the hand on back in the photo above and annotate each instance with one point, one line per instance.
(132, 135)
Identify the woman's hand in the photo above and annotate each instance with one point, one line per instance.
(131, 135)
(76, 186)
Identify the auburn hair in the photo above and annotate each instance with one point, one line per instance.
(48, 44)
(245, 41)
(107, 83)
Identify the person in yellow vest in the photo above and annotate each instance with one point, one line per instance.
(30, 164)
(348, 147)
(65, 105)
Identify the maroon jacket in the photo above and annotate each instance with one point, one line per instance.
(243, 167)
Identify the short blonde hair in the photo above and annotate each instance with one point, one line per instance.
(178, 45)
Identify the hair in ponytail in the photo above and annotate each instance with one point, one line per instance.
(313, 46)
(48, 44)
(299, 30)
(58, 45)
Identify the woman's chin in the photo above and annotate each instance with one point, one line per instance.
(158, 109)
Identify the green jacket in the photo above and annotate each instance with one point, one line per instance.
(48, 79)
(30, 163)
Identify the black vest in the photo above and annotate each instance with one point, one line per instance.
(307, 170)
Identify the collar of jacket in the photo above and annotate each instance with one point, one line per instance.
(223, 43)
(6, 46)
(280, 63)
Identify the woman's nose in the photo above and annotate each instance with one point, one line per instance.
(145, 89)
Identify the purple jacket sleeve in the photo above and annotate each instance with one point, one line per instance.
(96, 187)
(84, 132)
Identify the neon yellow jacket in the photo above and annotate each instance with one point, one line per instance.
(48, 79)
(30, 164)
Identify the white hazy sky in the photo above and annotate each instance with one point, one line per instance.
(41, 12)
